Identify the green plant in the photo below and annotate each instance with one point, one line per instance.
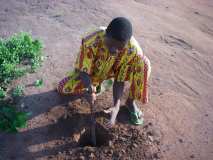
(11, 119)
(2, 93)
(39, 83)
(19, 54)
(18, 91)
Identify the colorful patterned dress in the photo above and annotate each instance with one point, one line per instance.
(94, 58)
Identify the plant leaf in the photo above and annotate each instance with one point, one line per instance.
(39, 83)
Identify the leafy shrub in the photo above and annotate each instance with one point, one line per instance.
(18, 91)
(11, 119)
(18, 54)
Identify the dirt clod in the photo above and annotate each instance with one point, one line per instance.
(92, 155)
(81, 158)
(192, 156)
(135, 145)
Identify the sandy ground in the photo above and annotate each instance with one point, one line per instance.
(177, 36)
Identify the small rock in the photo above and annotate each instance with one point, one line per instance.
(150, 123)
(76, 137)
(149, 142)
(58, 143)
(122, 139)
(123, 151)
(90, 149)
(50, 157)
(124, 129)
(157, 142)
(151, 138)
(150, 133)
(83, 131)
(110, 151)
(147, 155)
(128, 158)
(145, 126)
(160, 93)
(192, 156)
(22, 105)
(156, 155)
(115, 155)
(116, 136)
(105, 151)
(91, 155)
(110, 144)
(181, 140)
(135, 145)
(82, 158)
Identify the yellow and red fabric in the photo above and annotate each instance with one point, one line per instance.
(94, 58)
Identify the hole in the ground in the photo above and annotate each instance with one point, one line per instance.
(102, 137)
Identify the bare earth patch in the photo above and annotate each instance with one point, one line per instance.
(177, 38)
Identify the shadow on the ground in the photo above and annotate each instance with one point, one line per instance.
(35, 143)
(42, 102)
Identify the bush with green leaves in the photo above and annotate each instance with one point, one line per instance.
(11, 119)
(18, 54)
(18, 91)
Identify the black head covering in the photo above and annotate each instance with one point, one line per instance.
(120, 29)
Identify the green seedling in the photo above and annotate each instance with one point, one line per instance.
(18, 91)
(10, 119)
(39, 83)
(2, 93)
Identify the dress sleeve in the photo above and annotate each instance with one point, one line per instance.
(84, 61)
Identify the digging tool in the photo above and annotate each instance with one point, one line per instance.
(90, 97)
(93, 121)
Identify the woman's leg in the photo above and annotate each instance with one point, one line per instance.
(118, 88)
(132, 105)
(138, 91)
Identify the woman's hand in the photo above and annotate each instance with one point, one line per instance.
(114, 112)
